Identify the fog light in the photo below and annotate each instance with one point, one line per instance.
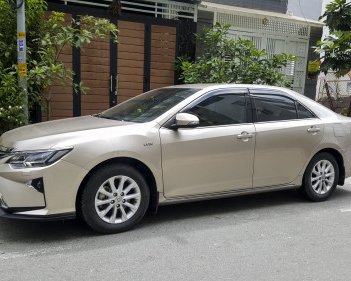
(2, 202)
(37, 184)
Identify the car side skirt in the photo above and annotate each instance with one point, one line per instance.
(232, 193)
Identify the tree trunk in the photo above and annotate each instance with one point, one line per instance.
(349, 109)
(331, 104)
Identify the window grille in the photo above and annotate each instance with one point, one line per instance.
(261, 23)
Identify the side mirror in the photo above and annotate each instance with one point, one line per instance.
(186, 120)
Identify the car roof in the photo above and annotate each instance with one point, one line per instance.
(214, 86)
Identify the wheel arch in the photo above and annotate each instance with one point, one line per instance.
(339, 159)
(142, 167)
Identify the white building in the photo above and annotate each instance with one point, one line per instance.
(270, 26)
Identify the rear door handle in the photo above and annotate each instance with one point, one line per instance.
(245, 135)
(313, 129)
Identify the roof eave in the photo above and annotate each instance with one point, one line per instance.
(208, 6)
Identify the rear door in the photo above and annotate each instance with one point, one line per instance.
(286, 135)
(215, 157)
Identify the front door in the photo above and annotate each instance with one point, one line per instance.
(215, 157)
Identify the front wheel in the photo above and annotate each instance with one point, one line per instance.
(115, 199)
(321, 177)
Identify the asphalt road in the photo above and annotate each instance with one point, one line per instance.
(272, 236)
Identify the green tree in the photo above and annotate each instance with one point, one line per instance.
(225, 60)
(48, 34)
(11, 107)
(335, 49)
(57, 34)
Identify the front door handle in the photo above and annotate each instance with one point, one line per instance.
(245, 135)
(313, 129)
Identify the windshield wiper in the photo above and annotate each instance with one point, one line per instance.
(99, 115)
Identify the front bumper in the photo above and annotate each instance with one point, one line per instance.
(55, 200)
(6, 213)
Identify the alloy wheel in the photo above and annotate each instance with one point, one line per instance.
(322, 176)
(117, 199)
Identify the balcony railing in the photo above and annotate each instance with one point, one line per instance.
(157, 8)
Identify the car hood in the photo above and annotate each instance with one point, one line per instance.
(49, 133)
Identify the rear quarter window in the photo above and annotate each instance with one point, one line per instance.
(303, 112)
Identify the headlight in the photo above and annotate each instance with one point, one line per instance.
(36, 159)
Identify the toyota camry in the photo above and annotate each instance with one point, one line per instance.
(171, 145)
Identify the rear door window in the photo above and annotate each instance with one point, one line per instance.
(274, 108)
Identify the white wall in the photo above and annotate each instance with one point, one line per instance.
(309, 9)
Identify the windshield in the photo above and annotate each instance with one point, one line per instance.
(146, 107)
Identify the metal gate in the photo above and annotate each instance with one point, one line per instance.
(143, 59)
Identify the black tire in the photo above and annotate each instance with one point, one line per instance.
(88, 211)
(307, 189)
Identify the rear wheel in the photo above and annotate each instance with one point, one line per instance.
(115, 199)
(321, 177)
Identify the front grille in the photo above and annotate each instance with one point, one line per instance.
(5, 152)
(2, 202)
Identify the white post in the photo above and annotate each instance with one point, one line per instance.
(21, 52)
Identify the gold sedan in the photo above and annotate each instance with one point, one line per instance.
(171, 145)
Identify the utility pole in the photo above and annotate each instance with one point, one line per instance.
(21, 52)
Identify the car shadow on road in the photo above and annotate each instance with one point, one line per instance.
(239, 205)
(180, 217)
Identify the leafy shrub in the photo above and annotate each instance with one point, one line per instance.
(11, 103)
(226, 60)
(46, 37)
